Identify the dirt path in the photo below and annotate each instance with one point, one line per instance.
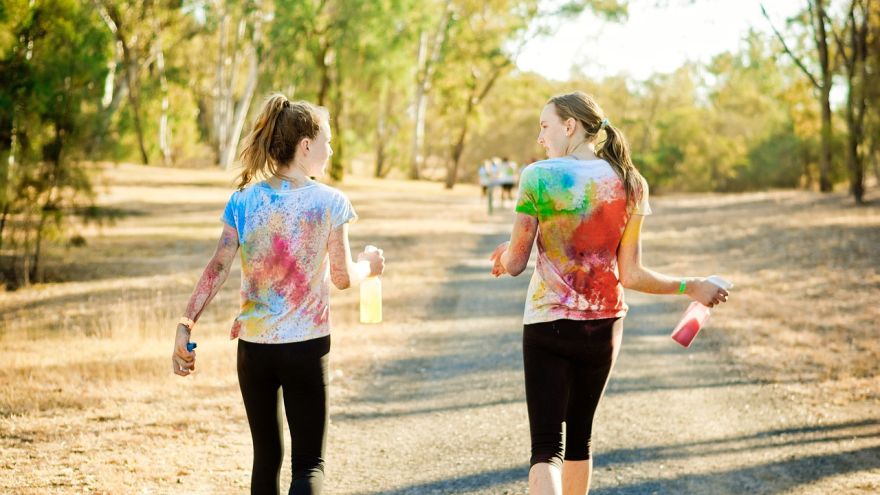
(429, 402)
(446, 413)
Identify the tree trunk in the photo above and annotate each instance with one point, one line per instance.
(428, 58)
(164, 130)
(457, 151)
(381, 130)
(854, 56)
(244, 104)
(113, 20)
(821, 38)
(115, 91)
(134, 101)
(825, 141)
(822, 85)
(476, 97)
(419, 106)
(324, 65)
(337, 169)
(241, 111)
(418, 143)
(49, 204)
(34, 274)
(458, 147)
(3, 218)
(26, 255)
(219, 93)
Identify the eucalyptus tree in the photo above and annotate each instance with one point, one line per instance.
(50, 58)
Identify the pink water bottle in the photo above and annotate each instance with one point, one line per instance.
(696, 316)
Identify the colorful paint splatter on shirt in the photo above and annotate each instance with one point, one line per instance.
(582, 212)
(285, 268)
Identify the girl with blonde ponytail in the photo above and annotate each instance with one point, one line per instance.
(585, 204)
(293, 235)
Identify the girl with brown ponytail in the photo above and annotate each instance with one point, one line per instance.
(293, 234)
(585, 204)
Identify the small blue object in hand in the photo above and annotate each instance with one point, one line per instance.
(190, 346)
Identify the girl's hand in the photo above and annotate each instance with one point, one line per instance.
(498, 269)
(183, 362)
(376, 260)
(705, 292)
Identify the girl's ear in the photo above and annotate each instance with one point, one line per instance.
(570, 126)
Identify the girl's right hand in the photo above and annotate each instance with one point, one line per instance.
(705, 292)
(183, 362)
(376, 260)
(498, 268)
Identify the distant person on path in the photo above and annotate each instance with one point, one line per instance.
(486, 173)
(293, 234)
(489, 180)
(585, 204)
(506, 179)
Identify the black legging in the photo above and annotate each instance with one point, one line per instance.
(299, 369)
(567, 363)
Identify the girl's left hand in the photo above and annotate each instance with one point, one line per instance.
(498, 269)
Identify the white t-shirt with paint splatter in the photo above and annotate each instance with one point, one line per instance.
(285, 267)
(582, 211)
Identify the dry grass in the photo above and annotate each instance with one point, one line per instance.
(87, 400)
(807, 274)
(85, 383)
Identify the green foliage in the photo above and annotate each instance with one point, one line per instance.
(48, 98)
(112, 79)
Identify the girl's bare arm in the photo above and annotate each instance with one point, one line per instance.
(635, 276)
(214, 275)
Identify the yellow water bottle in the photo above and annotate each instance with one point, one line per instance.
(371, 296)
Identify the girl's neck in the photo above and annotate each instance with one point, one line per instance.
(583, 151)
(294, 175)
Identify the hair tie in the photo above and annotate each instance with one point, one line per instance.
(604, 124)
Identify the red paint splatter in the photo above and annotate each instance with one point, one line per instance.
(593, 251)
(282, 269)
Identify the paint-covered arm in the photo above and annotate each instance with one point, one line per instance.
(635, 276)
(344, 272)
(183, 360)
(513, 256)
(215, 273)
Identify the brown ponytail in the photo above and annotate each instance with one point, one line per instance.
(278, 130)
(614, 150)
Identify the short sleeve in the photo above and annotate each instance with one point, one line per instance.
(343, 211)
(642, 206)
(525, 201)
(230, 213)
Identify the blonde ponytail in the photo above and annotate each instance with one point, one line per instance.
(277, 131)
(615, 150)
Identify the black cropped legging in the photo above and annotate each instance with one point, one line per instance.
(297, 372)
(567, 363)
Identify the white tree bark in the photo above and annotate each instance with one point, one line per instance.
(428, 58)
(220, 85)
(243, 105)
(164, 129)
